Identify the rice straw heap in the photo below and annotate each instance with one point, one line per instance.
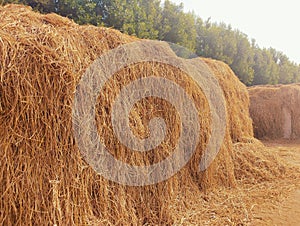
(275, 111)
(44, 179)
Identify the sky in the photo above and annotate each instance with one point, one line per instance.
(272, 23)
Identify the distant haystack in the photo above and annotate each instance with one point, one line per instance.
(275, 111)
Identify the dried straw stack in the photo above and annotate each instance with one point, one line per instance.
(44, 179)
(275, 111)
(237, 99)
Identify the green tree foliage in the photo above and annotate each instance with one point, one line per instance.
(220, 42)
(133, 17)
(82, 11)
(288, 71)
(265, 67)
(176, 26)
(243, 60)
(115, 13)
(164, 20)
(148, 17)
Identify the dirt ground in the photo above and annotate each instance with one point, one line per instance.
(285, 212)
(267, 203)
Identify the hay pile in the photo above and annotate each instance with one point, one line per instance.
(237, 100)
(275, 111)
(44, 179)
(254, 164)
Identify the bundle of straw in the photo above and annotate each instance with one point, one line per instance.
(44, 177)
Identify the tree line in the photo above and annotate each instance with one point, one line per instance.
(164, 20)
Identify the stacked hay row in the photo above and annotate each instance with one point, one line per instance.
(237, 99)
(275, 111)
(44, 179)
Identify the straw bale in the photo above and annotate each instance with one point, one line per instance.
(237, 99)
(275, 111)
(44, 179)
